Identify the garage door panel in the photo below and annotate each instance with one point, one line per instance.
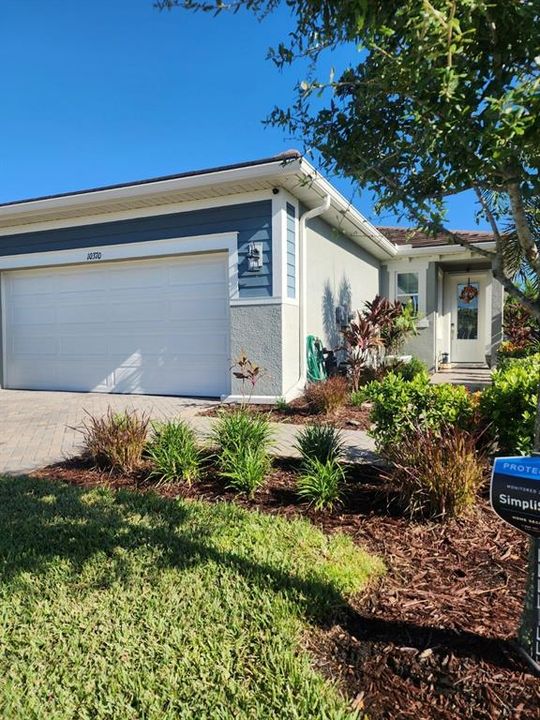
(137, 311)
(88, 345)
(136, 278)
(132, 327)
(26, 345)
(80, 313)
(32, 315)
(53, 374)
(186, 349)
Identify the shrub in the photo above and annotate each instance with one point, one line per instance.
(319, 442)
(357, 398)
(510, 351)
(241, 428)
(437, 473)
(174, 453)
(412, 369)
(510, 403)
(115, 441)
(245, 467)
(400, 406)
(321, 483)
(521, 328)
(328, 395)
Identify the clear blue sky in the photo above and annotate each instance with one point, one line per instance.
(108, 91)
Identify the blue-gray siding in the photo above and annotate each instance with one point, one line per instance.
(291, 251)
(252, 222)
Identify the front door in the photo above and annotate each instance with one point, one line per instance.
(467, 328)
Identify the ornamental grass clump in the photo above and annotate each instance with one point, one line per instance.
(436, 474)
(245, 468)
(327, 396)
(243, 445)
(174, 453)
(240, 428)
(321, 483)
(116, 441)
(319, 442)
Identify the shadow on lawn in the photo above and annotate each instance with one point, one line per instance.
(41, 520)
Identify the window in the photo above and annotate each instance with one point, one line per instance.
(291, 251)
(407, 288)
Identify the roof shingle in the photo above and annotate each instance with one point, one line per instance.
(416, 238)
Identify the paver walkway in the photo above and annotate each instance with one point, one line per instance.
(39, 428)
(474, 378)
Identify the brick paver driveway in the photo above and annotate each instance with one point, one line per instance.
(37, 428)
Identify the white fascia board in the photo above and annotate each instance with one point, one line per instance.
(405, 251)
(84, 199)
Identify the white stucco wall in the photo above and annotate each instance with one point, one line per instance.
(339, 272)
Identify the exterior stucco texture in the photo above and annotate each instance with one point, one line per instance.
(339, 273)
(256, 331)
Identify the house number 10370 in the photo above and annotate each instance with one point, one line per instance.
(93, 256)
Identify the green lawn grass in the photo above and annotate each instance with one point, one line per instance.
(123, 606)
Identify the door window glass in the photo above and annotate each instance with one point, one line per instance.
(467, 312)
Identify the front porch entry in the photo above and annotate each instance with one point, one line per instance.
(467, 317)
(464, 332)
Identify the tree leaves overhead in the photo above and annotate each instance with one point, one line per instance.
(439, 96)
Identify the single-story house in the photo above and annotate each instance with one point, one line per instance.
(157, 286)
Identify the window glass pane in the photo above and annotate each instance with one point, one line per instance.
(467, 314)
(407, 283)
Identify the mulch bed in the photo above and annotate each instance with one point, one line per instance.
(348, 417)
(431, 639)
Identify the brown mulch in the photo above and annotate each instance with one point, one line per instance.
(431, 639)
(348, 417)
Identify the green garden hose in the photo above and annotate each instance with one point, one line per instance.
(316, 370)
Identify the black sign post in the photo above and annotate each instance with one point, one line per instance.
(515, 497)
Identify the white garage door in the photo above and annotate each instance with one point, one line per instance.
(157, 326)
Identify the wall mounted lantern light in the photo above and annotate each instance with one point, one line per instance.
(254, 257)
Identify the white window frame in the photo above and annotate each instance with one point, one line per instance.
(398, 295)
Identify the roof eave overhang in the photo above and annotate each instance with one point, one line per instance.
(342, 215)
(294, 174)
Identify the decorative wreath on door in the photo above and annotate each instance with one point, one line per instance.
(468, 293)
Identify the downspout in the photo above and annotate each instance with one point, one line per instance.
(302, 277)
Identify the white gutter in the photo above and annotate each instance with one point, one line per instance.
(302, 266)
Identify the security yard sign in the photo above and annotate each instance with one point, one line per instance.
(515, 492)
(515, 497)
